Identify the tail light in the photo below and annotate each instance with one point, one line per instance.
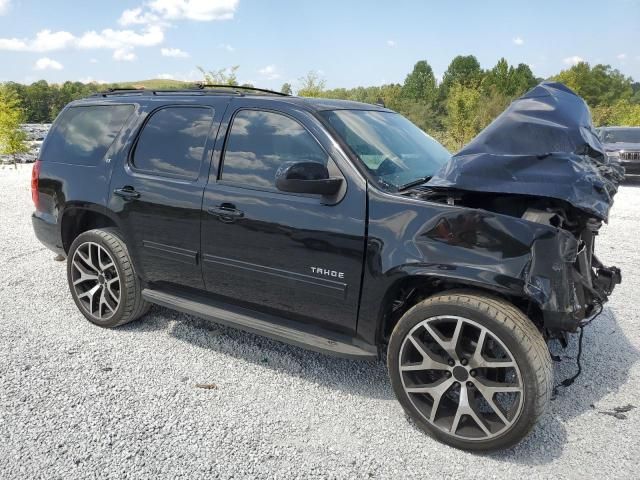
(35, 177)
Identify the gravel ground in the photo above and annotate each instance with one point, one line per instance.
(78, 401)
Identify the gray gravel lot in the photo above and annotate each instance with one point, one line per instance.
(77, 401)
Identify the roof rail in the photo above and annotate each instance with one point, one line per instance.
(202, 86)
(121, 91)
(124, 89)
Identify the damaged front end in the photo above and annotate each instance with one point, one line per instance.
(540, 161)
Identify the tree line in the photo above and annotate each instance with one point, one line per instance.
(468, 98)
(453, 110)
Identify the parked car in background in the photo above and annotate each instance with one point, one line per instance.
(622, 145)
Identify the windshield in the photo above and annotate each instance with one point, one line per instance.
(392, 148)
(621, 135)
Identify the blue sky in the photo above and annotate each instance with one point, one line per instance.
(350, 43)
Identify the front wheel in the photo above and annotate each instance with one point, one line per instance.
(470, 369)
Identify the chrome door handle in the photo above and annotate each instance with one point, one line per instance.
(127, 192)
(226, 212)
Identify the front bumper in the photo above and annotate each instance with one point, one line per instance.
(567, 280)
(631, 168)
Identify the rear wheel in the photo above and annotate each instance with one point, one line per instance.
(471, 369)
(102, 279)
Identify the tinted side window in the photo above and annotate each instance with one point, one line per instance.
(173, 141)
(83, 135)
(260, 142)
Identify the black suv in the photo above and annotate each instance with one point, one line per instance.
(343, 228)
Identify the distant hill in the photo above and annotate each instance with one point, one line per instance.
(154, 83)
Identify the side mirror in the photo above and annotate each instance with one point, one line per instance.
(307, 177)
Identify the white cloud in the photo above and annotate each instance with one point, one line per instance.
(200, 10)
(227, 47)
(165, 76)
(173, 52)
(391, 43)
(44, 41)
(47, 41)
(135, 16)
(117, 39)
(518, 41)
(4, 6)
(574, 60)
(93, 60)
(621, 56)
(13, 44)
(270, 72)
(46, 63)
(151, 18)
(124, 55)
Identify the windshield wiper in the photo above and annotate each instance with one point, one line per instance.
(414, 183)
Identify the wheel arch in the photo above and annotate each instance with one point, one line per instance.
(409, 290)
(78, 219)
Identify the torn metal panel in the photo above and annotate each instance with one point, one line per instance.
(543, 145)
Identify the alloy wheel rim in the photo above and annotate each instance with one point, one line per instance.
(461, 378)
(95, 280)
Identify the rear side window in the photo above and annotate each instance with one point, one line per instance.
(83, 135)
(173, 141)
(261, 142)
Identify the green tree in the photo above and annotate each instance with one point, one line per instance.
(311, 85)
(623, 113)
(420, 84)
(12, 137)
(463, 69)
(224, 76)
(67, 92)
(391, 95)
(286, 89)
(492, 103)
(498, 78)
(522, 80)
(38, 101)
(600, 85)
(462, 114)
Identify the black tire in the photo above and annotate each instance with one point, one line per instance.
(130, 305)
(499, 320)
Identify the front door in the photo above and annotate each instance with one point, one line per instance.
(287, 254)
(157, 191)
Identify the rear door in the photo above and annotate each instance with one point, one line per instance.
(289, 254)
(157, 189)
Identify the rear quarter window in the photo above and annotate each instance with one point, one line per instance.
(173, 141)
(82, 135)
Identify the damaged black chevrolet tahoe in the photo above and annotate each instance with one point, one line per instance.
(343, 228)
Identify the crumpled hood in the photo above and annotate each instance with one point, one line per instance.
(544, 145)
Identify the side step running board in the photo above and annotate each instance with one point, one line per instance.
(271, 326)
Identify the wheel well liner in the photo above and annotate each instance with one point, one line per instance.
(78, 220)
(410, 290)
